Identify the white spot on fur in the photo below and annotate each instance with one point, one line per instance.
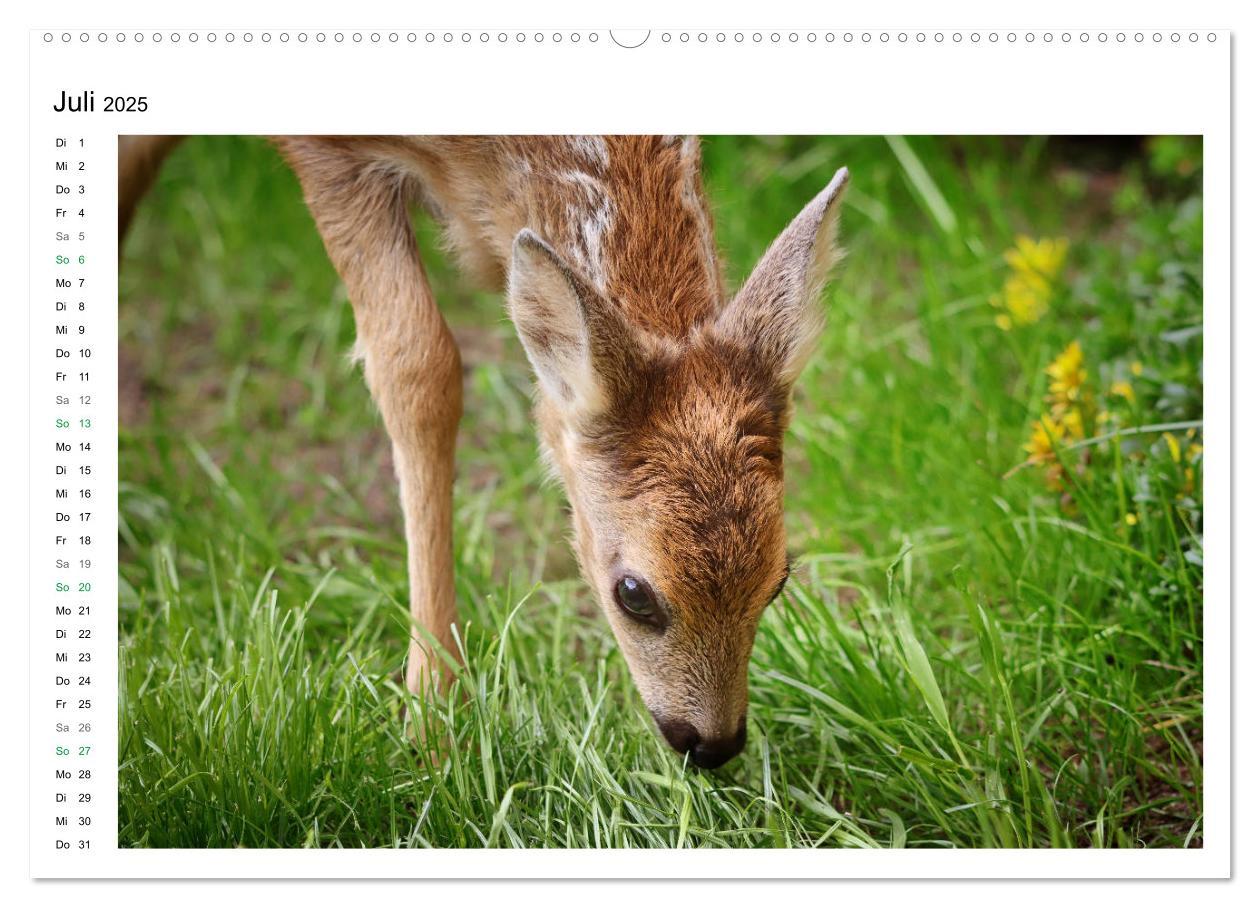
(592, 222)
(594, 149)
(595, 228)
(592, 187)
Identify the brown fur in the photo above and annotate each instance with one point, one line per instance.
(661, 405)
(139, 160)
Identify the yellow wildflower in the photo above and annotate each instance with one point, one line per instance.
(1135, 367)
(1067, 375)
(1131, 519)
(1122, 389)
(1038, 260)
(1025, 296)
(1046, 435)
(1174, 446)
(1073, 425)
(1070, 416)
(1025, 302)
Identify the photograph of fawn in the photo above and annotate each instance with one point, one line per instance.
(569, 491)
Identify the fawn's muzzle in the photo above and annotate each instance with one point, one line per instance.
(706, 753)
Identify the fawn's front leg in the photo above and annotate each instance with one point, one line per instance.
(410, 359)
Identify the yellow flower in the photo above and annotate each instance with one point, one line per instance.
(1046, 435)
(1135, 367)
(1038, 260)
(1023, 302)
(1073, 425)
(1122, 389)
(1067, 375)
(1070, 417)
(1174, 446)
(1131, 519)
(1025, 295)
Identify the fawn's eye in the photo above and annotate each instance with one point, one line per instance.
(637, 599)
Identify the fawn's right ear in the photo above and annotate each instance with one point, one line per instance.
(578, 343)
(776, 314)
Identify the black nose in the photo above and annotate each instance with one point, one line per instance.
(706, 753)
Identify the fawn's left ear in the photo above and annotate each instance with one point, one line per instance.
(581, 348)
(776, 314)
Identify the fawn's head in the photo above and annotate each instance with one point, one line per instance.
(670, 450)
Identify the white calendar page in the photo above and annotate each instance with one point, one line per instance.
(138, 648)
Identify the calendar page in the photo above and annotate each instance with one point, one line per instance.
(581, 451)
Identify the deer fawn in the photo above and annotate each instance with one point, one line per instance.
(661, 404)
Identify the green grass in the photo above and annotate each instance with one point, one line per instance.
(965, 656)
